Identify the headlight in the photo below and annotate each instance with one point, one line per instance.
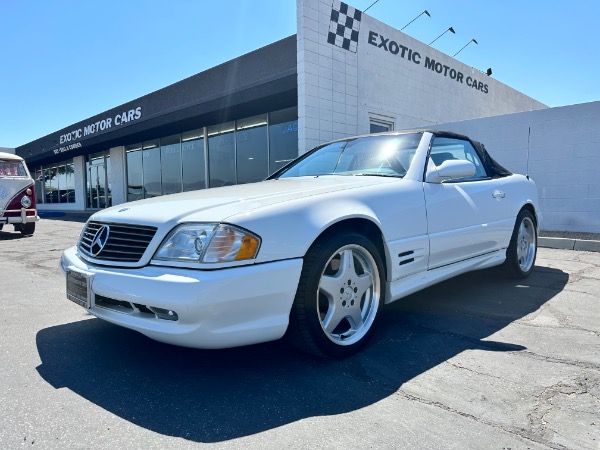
(25, 201)
(208, 243)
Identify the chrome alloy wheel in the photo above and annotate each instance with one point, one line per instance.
(348, 294)
(526, 244)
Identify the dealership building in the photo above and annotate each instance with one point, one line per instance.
(343, 73)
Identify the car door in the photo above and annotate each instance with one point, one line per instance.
(464, 216)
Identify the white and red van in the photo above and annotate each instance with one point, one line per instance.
(17, 195)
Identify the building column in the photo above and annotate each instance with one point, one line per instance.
(80, 179)
(327, 77)
(118, 175)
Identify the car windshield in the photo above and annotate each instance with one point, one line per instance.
(12, 168)
(380, 155)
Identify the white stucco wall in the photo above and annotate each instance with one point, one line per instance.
(564, 156)
(327, 79)
(386, 74)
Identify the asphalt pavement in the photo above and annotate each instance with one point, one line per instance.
(479, 361)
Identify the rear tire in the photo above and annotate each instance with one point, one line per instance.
(339, 294)
(27, 229)
(522, 250)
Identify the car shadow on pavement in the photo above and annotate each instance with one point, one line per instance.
(10, 235)
(218, 395)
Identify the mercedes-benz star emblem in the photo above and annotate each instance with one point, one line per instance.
(100, 239)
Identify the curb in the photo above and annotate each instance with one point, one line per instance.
(49, 214)
(70, 216)
(569, 244)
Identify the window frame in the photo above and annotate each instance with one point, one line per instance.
(474, 152)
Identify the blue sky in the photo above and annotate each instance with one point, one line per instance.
(66, 60)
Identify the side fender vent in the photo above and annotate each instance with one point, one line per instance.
(404, 259)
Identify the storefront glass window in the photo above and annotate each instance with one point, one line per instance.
(241, 151)
(283, 138)
(51, 196)
(135, 179)
(54, 183)
(38, 176)
(68, 195)
(170, 160)
(251, 149)
(108, 181)
(192, 158)
(221, 155)
(151, 169)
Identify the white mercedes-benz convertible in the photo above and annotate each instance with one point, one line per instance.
(311, 253)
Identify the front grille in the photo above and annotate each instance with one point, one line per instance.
(123, 242)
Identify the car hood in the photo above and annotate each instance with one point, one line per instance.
(219, 204)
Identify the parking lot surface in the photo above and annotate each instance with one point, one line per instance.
(480, 361)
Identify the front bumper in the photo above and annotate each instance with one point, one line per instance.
(214, 309)
(22, 216)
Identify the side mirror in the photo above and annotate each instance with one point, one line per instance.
(451, 169)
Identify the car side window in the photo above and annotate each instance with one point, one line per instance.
(444, 148)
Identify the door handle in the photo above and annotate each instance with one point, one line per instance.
(498, 194)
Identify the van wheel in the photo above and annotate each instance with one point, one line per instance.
(340, 290)
(27, 229)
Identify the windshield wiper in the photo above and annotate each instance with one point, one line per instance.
(370, 174)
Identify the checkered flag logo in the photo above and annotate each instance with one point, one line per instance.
(344, 26)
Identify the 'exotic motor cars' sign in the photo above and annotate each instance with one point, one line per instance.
(429, 63)
(71, 138)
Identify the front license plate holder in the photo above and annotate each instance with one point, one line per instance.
(79, 288)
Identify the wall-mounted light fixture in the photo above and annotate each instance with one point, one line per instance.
(424, 12)
(472, 40)
(451, 30)
(370, 5)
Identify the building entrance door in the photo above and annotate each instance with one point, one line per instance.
(98, 184)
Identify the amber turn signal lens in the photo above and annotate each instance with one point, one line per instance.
(248, 248)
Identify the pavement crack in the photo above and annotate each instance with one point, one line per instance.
(553, 359)
(468, 369)
(561, 326)
(520, 432)
(558, 399)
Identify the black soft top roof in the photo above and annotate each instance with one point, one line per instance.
(492, 166)
(494, 169)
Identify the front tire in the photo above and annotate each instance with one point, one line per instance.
(522, 250)
(339, 294)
